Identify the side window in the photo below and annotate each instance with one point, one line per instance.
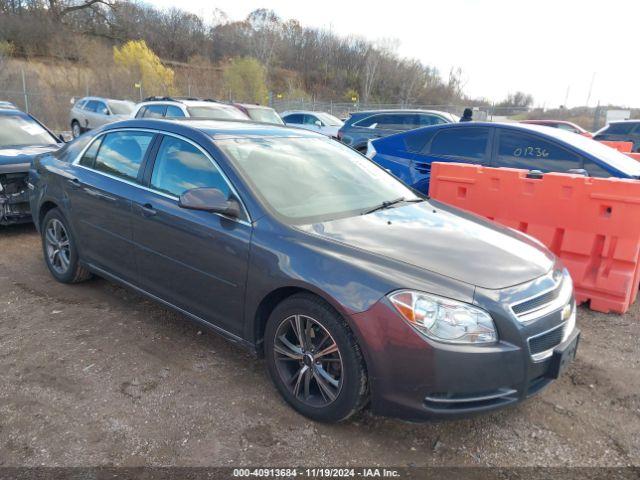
(461, 142)
(563, 126)
(398, 121)
(102, 109)
(91, 106)
(80, 105)
(141, 112)
(595, 170)
(415, 141)
(311, 119)
(369, 122)
(426, 120)
(155, 111)
(525, 151)
(89, 157)
(174, 112)
(620, 128)
(180, 166)
(121, 153)
(294, 118)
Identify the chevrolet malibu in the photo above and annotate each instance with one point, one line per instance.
(358, 291)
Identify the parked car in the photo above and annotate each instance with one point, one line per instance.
(300, 249)
(7, 105)
(22, 137)
(320, 122)
(625, 131)
(364, 126)
(169, 107)
(562, 125)
(93, 112)
(260, 113)
(409, 155)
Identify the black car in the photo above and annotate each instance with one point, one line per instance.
(626, 131)
(361, 127)
(355, 289)
(22, 138)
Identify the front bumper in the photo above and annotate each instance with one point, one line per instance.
(415, 378)
(14, 208)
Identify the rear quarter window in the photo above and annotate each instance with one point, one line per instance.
(416, 141)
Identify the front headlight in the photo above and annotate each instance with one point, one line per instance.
(444, 320)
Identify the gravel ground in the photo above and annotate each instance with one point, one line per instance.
(93, 374)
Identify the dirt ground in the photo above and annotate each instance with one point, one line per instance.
(93, 374)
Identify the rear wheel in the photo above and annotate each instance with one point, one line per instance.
(76, 131)
(314, 360)
(59, 248)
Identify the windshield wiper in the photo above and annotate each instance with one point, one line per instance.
(389, 203)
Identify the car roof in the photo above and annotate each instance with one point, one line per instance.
(417, 110)
(253, 105)
(217, 129)
(104, 99)
(187, 103)
(625, 121)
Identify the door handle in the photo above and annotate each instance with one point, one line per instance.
(148, 210)
(423, 167)
(74, 182)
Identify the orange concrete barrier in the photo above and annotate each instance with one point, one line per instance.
(635, 156)
(623, 147)
(592, 224)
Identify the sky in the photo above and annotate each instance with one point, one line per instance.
(555, 50)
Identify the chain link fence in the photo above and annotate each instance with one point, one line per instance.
(52, 106)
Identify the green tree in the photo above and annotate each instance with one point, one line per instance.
(142, 65)
(245, 80)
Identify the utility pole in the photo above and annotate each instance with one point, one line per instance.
(24, 90)
(566, 97)
(593, 78)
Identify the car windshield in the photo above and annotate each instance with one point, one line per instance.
(307, 180)
(18, 131)
(611, 156)
(266, 115)
(328, 119)
(120, 108)
(217, 113)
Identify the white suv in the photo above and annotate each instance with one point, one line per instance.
(320, 122)
(168, 107)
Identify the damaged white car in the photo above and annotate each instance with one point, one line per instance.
(22, 138)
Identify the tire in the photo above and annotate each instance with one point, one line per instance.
(57, 237)
(326, 387)
(76, 129)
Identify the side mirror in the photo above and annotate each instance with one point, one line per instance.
(209, 200)
(317, 123)
(578, 171)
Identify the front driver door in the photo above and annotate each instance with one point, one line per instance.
(194, 260)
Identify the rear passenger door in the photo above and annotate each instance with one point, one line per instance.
(192, 259)
(104, 180)
(528, 151)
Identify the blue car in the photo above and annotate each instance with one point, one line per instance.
(409, 155)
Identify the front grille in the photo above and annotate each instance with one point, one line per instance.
(546, 341)
(535, 302)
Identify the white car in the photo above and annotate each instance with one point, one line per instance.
(94, 112)
(320, 122)
(168, 107)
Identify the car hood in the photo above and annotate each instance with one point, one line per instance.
(444, 240)
(16, 159)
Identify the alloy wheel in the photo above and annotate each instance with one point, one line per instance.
(57, 246)
(308, 360)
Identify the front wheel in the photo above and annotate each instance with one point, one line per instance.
(59, 248)
(314, 360)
